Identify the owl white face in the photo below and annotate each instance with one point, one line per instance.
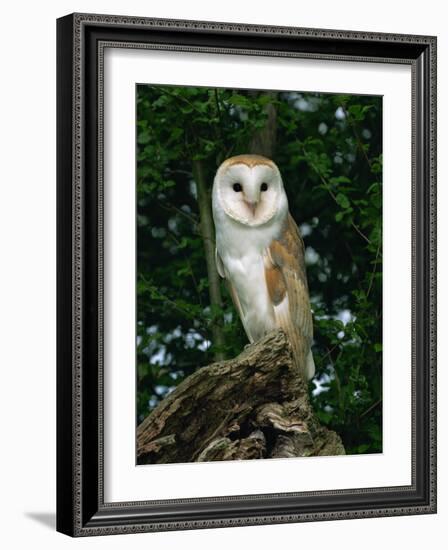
(250, 192)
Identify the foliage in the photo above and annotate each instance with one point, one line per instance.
(328, 149)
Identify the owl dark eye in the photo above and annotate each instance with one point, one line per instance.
(237, 187)
(264, 187)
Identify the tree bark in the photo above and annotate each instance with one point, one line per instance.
(208, 238)
(253, 406)
(264, 140)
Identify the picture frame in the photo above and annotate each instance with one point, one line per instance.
(81, 507)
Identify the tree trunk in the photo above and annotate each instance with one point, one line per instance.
(208, 238)
(264, 140)
(253, 406)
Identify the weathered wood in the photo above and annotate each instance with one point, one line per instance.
(253, 406)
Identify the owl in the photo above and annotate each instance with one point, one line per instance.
(260, 252)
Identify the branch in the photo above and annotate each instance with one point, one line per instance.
(359, 143)
(253, 406)
(327, 186)
(374, 269)
(208, 237)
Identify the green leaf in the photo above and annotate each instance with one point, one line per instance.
(240, 100)
(342, 200)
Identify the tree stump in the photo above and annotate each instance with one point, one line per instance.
(251, 407)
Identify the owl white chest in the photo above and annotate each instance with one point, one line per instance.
(241, 249)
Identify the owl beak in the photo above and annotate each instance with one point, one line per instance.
(252, 206)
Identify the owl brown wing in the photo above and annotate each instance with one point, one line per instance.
(288, 289)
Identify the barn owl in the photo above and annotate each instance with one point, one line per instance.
(260, 253)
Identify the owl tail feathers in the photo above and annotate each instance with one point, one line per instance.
(305, 363)
(310, 367)
(302, 354)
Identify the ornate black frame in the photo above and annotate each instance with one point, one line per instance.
(81, 39)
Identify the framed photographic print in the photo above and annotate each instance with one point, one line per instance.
(246, 274)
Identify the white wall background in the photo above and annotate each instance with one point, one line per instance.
(27, 273)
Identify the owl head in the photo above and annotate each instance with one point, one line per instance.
(249, 189)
